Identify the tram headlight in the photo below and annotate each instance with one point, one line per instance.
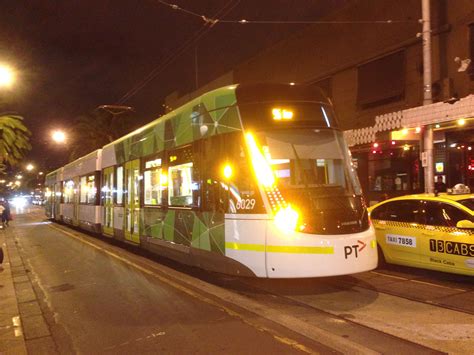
(227, 171)
(260, 165)
(287, 218)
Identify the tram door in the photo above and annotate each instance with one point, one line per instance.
(55, 199)
(77, 194)
(132, 201)
(108, 187)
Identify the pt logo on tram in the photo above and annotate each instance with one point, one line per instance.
(354, 249)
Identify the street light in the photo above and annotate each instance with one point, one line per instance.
(30, 167)
(58, 136)
(7, 76)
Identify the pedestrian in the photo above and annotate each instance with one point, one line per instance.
(2, 213)
(440, 186)
(7, 212)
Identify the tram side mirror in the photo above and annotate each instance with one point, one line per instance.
(465, 224)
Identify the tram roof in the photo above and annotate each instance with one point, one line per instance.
(240, 94)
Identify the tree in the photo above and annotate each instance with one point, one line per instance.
(98, 128)
(14, 139)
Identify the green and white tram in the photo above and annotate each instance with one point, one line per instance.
(253, 180)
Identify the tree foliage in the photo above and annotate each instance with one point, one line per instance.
(96, 129)
(14, 139)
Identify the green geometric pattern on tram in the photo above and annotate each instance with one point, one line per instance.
(183, 227)
(229, 120)
(218, 114)
(168, 226)
(184, 128)
(159, 134)
(197, 230)
(211, 236)
(144, 143)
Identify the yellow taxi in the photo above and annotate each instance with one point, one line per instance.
(427, 231)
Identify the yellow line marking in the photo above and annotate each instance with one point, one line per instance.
(441, 286)
(283, 340)
(387, 275)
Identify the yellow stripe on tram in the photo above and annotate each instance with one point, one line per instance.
(300, 250)
(280, 248)
(241, 246)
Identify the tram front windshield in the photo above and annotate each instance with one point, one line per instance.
(314, 174)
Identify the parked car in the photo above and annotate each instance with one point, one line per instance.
(427, 231)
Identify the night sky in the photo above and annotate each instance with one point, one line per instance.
(73, 55)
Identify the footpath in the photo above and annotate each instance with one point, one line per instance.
(23, 329)
(12, 340)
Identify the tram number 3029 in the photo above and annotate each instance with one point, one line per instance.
(245, 204)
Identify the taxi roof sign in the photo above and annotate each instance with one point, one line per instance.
(459, 189)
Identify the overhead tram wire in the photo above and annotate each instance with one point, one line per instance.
(209, 22)
(215, 19)
(168, 60)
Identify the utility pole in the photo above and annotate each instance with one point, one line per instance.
(427, 157)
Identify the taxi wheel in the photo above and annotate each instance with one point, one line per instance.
(382, 261)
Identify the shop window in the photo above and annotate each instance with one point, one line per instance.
(119, 191)
(381, 81)
(154, 182)
(394, 169)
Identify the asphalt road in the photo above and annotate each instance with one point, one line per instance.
(94, 303)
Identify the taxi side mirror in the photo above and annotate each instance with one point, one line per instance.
(465, 224)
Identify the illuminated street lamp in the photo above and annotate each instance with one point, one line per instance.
(30, 167)
(19, 177)
(7, 76)
(58, 136)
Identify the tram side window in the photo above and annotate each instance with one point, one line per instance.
(182, 183)
(154, 182)
(119, 190)
(68, 194)
(88, 190)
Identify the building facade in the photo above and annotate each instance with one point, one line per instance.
(373, 72)
(367, 56)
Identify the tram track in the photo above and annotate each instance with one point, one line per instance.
(431, 302)
(382, 340)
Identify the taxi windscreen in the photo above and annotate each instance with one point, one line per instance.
(468, 202)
